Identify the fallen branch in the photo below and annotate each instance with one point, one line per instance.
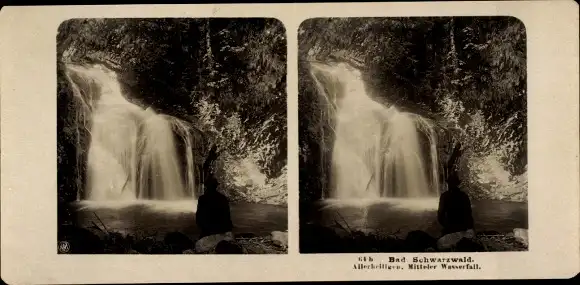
(104, 227)
(344, 220)
(342, 227)
(97, 226)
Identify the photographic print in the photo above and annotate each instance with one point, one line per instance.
(172, 136)
(413, 135)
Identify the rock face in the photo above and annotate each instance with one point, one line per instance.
(280, 238)
(207, 244)
(449, 242)
(521, 235)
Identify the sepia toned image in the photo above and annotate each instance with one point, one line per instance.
(413, 135)
(289, 142)
(172, 136)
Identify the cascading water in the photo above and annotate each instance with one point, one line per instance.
(378, 151)
(133, 153)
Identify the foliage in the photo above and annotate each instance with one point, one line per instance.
(246, 149)
(227, 75)
(468, 73)
(489, 148)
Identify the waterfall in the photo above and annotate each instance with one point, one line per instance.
(379, 151)
(133, 152)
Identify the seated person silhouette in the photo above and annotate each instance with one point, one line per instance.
(454, 212)
(213, 210)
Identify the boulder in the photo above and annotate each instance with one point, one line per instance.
(449, 242)
(280, 238)
(521, 235)
(228, 247)
(469, 245)
(177, 242)
(208, 244)
(419, 241)
(188, 251)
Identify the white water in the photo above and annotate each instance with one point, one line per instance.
(170, 207)
(132, 155)
(409, 204)
(378, 150)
